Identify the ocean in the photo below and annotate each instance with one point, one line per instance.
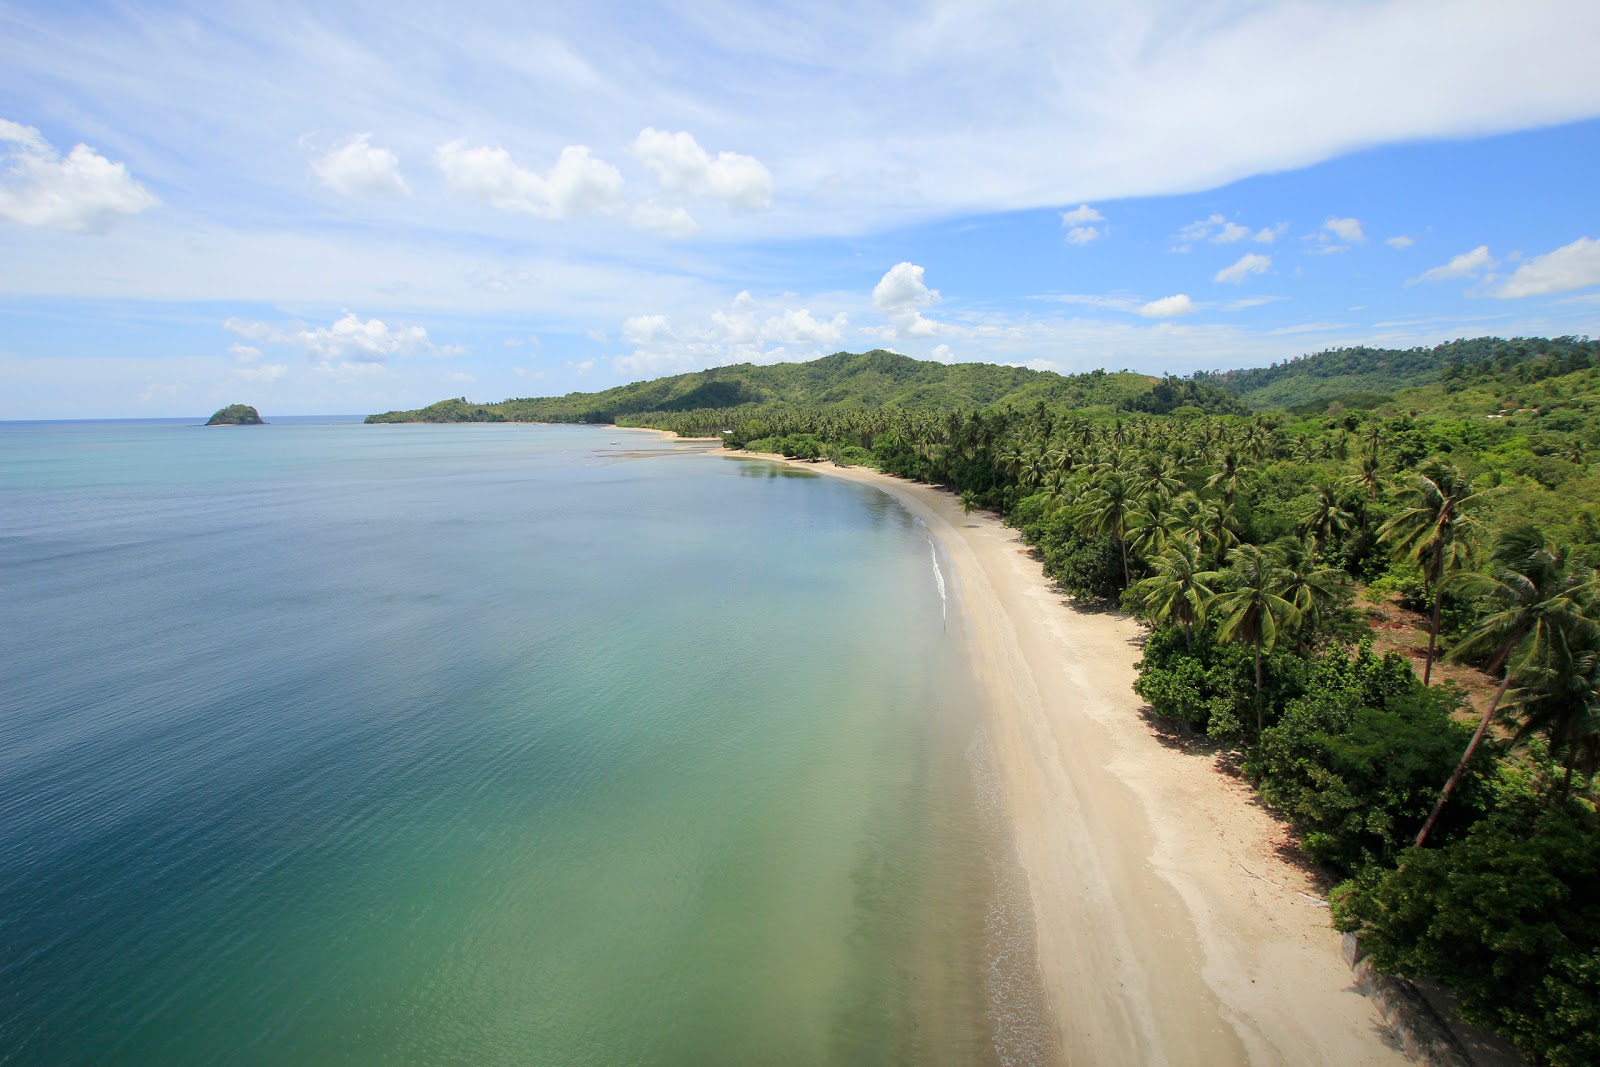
(332, 743)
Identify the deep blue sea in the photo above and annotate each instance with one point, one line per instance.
(332, 743)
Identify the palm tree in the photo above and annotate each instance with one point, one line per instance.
(1434, 530)
(1325, 517)
(1151, 524)
(1312, 588)
(1158, 476)
(1229, 473)
(1541, 599)
(1180, 589)
(1562, 702)
(1254, 608)
(1107, 508)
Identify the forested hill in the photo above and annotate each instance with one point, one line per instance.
(844, 380)
(1365, 377)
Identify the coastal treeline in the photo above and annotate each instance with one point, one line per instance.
(1272, 553)
(1259, 548)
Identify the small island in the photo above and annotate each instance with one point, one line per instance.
(237, 415)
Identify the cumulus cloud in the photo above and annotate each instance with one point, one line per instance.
(901, 294)
(1466, 265)
(360, 168)
(1248, 264)
(1168, 307)
(1268, 234)
(1573, 266)
(1399, 242)
(739, 181)
(902, 288)
(349, 340)
(1080, 224)
(82, 191)
(578, 184)
(942, 354)
(746, 331)
(1343, 229)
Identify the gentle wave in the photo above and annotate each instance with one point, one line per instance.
(938, 577)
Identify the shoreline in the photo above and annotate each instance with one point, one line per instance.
(1169, 928)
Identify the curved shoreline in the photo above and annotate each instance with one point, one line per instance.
(1170, 929)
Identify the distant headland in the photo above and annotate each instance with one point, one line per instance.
(237, 415)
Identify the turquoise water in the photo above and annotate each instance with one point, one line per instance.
(328, 743)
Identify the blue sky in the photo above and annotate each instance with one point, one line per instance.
(347, 208)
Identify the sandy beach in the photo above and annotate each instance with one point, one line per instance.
(1170, 930)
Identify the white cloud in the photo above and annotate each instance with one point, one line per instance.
(265, 372)
(670, 221)
(1343, 229)
(360, 168)
(1573, 266)
(1080, 224)
(747, 330)
(1268, 234)
(82, 191)
(1466, 265)
(942, 354)
(901, 294)
(739, 181)
(1168, 307)
(1399, 242)
(250, 368)
(1248, 264)
(643, 329)
(578, 184)
(348, 340)
(1219, 229)
(902, 288)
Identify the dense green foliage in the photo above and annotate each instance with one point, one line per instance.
(1364, 377)
(844, 380)
(1508, 916)
(236, 415)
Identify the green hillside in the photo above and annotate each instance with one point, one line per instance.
(845, 380)
(1364, 377)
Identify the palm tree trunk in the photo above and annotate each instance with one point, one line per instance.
(1259, 722)
(1433, 633)
(1466, 758)
(1126, 581)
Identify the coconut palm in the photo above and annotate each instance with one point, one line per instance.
(1313, 589)
(1228, 476)
(1561, 701)
(1253, 607)
(1180, 588)
(1325, 516)
(1541, 602)
(1434, 529)
(1107, 508)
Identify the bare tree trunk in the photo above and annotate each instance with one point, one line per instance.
(1433, 632)
(1259, 721)
(1466, 758)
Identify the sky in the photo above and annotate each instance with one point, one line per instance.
(351, 207)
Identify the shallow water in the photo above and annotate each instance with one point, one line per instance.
(322, 742)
